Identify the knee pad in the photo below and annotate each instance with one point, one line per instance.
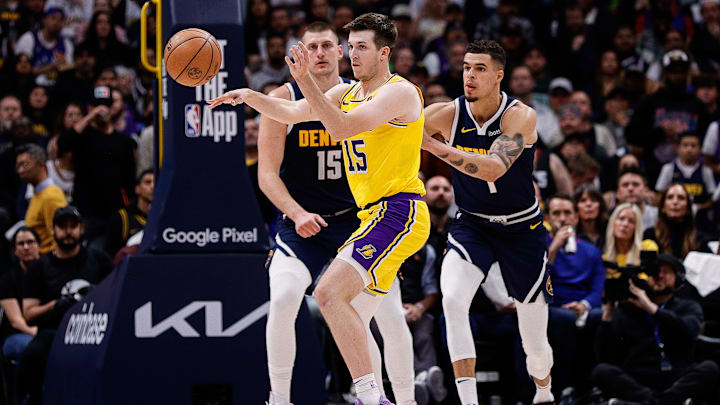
(289, 278)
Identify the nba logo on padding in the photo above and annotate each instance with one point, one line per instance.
(192, 120)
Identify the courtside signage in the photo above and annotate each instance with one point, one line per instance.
(208, 236)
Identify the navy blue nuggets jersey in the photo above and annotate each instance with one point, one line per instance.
(321, 187)
(694, 184)
(510, 194)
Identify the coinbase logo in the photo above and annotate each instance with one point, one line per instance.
(192, 120)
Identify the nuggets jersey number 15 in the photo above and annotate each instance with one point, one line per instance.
(384, 161)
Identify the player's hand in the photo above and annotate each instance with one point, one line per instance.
(232, 97)
(507, 308)
(309, 224)
(300, 61)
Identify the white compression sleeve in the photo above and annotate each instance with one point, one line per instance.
(289, 278)
(398, 345)
(366, 304)
(459, 282)
(533, 323)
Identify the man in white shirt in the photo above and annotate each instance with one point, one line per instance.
(48, 50)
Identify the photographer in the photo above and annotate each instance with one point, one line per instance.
(645, 343)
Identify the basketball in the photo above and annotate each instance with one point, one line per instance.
(192, 57)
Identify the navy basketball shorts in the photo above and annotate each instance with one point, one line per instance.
(520, 249)
(316, 251)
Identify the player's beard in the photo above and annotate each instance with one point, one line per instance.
(68, 243)
(472, 99)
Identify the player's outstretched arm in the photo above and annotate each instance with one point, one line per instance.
(285, 111)
(505, 150)
(439, 118)
(396, 101)
(271, 151)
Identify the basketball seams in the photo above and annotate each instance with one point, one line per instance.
(167, 58)
(212, 56)
(194, 56)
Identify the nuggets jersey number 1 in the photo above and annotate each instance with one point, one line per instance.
(386, 160)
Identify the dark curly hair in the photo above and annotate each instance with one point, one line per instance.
(492, 48)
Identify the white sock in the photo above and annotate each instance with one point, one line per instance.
(280, 380)
(467, 389)
(543, 394)
(366, 389)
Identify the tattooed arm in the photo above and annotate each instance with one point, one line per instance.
(518, 130)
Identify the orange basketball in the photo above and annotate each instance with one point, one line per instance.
(192, 57)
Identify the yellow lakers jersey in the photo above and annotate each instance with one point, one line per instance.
(386, 160)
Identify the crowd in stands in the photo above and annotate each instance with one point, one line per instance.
(627, 165)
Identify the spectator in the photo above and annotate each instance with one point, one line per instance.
(705, 44)
(575, 46)
(453, 81)
(550, 173)
(609, 76)
(610, 172)
(578, 277)
(645, 343)
(47, 197)
(674, 40)
(343, 15)
(252, 128)
(623, 237)
(104, 163)
(77, 84)
(592, 215)
(17, 76)
(602, 135)
(536, 61)
(10, 110)
(403, 59)
(657, 121)
(439, 197)
(275, 69)
(579, 136)
(522, 84)
(103, 43)
(437, 57)
(48, 50)
(559, 91)
(506, 14)
(17, 334)
(256, 26)
(420, 293)
(624, 45)
(675, 231)
(632, 188)
(39, 111)
(706, 90)
(583, 170)
(617, 108)
(126, 222)
(689, 171)
(400, 16)
(53, 284)
(60, 168)
(433, 93)
(430, 24)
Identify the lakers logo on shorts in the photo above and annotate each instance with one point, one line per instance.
(367, 251)
(548, 287)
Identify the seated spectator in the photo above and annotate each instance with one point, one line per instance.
(439, 197)
(592, 215)
(706, 90)
(420, 294)
(53, 284)
(602, 134)
(17, 76)
(675, 231)
(39, 111)
(578, 135)
(711, 147)
(522, 84)
(77, 84)
(632, 188)
(584, 170)
(403, 59)
(453, 80)
(688, 170)
(705, 44)
(102, 41)
(48, 50)
(617, 108)
(128, 221)
(16, 333)
(537, 62)
(47, 197)
(10, 110)
(623, 237)
(578, 278)
(104, 163)
(645, 344)
(274, 69)
(559, 91)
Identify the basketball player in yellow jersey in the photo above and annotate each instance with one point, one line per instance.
(380, 120)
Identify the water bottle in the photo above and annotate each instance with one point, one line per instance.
(571, 242)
